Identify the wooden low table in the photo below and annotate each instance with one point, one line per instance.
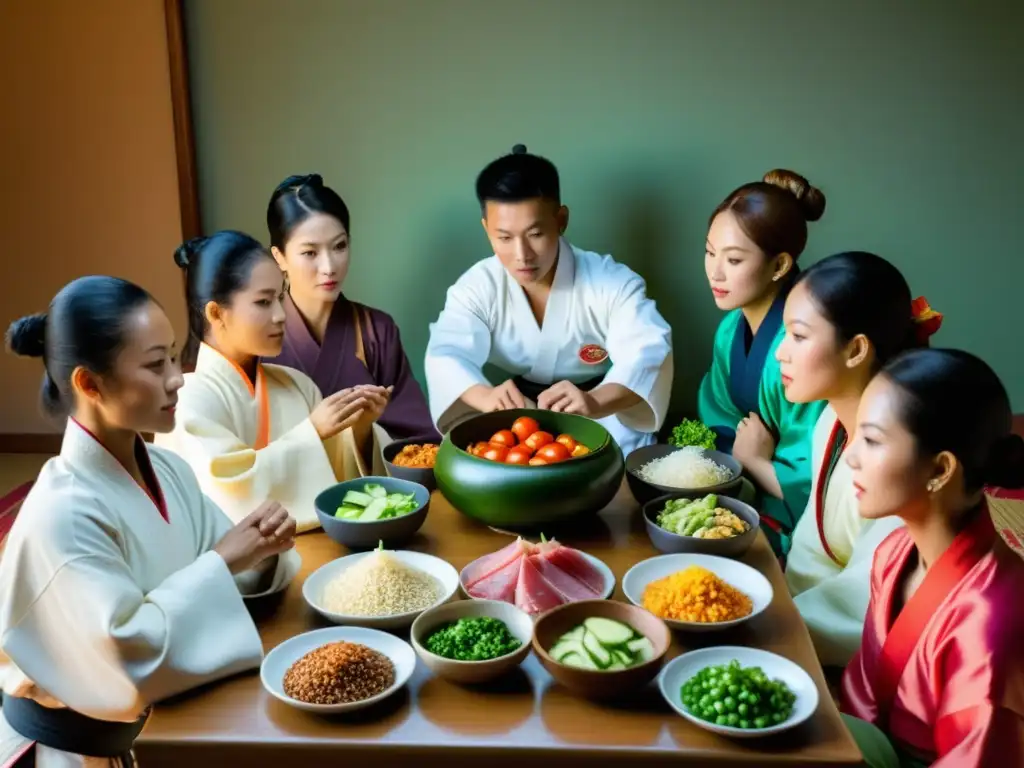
(526, 717)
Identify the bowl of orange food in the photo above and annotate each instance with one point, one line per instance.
(525, 469)
(412, 460)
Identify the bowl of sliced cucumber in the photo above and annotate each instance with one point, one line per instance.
(362, 513)
(599, 648)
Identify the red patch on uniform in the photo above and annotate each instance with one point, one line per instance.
(1011, 538)
(592, 354)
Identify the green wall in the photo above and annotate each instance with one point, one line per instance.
(907, 115)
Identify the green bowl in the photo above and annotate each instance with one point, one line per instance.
(513, 497)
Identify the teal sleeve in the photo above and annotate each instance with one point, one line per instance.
(794, 423)
(714, 405)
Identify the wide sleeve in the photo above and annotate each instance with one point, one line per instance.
(272, 575)
(91, 638)
(979, 737)
(407, 414)
(714, 403)
(834, 609)
(292, 469)
(794, 424)
(639, 343)
(857, 691)
(459, 345)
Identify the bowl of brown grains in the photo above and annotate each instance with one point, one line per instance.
(337, 669)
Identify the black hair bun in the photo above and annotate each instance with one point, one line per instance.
(294, 182)
(519, 149)
(26, 336)
(185, 253)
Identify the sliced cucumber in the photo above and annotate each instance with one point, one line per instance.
(349, 512)
(574, 634)
(598, 652)
(641, 648)
(375, 510)
(609, 632)
(356, 498)
(580, 661)
(375, 490)
(564, 647)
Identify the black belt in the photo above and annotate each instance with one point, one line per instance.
(70, 731)
(531, 389)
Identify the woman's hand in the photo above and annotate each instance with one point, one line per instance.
(265, 533)
(375, 400)
(753, 441)
(339, 411)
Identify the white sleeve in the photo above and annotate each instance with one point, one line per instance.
(213, 524)
(639, 343)
(92, 639)
(290, 470)
(459, 345)
(834, 609)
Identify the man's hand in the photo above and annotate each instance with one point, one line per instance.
(566, 397)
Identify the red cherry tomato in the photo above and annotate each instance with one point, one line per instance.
(537, 440)
(504, 437)
(568, 441)
(518, 455)
(535, 462)
(495, 453)
(524, 426)
(552, 453)
(475, 449)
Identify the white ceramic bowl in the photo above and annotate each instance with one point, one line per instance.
(519, 623)
(683, 667)
(280, 660)
(609, 579)
(736, 574)
(316, 583)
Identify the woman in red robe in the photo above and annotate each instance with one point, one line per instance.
(939, 677)
(337, 342)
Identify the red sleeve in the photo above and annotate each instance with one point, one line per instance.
(979, 737)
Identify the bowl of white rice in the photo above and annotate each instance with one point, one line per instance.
(659, 470)
(382, 589)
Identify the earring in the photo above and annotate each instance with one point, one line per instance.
(775, 279)
(933, 486)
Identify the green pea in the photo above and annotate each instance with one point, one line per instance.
(778, 717)
(716, 693)
(733, 719)
(730, 703)
(742, 709)
(761, 722)
(719, 707)
(734, 690)
(721, 720)
(754, 699)
(705, 700)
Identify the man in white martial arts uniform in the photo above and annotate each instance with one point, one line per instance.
(573, 330)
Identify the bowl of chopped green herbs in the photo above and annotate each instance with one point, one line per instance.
(472, 641)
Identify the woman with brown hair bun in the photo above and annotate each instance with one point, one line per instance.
(755, 237)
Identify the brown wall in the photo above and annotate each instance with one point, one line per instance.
(87, 162)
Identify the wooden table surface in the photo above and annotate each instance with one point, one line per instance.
(524, 717)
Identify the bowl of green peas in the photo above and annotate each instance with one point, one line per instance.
(472, 641)
(738, 691)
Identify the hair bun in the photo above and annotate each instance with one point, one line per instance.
(811, 199)
(294, 182)
(519, 149)
(1006, 464)
(26, 336)
(184, 254)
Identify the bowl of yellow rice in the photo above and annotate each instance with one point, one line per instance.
(698, 593)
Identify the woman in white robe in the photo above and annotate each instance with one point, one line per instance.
(121, 582)
(252, 431)
(573, 330)
(845, 318)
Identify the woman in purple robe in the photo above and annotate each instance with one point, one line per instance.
(337, 342)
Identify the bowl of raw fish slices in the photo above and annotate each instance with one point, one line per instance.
(536, 577)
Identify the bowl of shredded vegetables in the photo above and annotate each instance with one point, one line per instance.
(363, 512)
(709, 524)
(412, 460)
(472, 641)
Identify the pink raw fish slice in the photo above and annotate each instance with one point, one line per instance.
(533, 593)
(569, 587)
(500, 585)
(484, 566)
(576, 565)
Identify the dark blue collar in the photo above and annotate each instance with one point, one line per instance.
(749, 354)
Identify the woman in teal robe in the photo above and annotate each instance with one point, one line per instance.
(754, 239)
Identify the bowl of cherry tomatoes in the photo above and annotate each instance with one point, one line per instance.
(528, 468)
